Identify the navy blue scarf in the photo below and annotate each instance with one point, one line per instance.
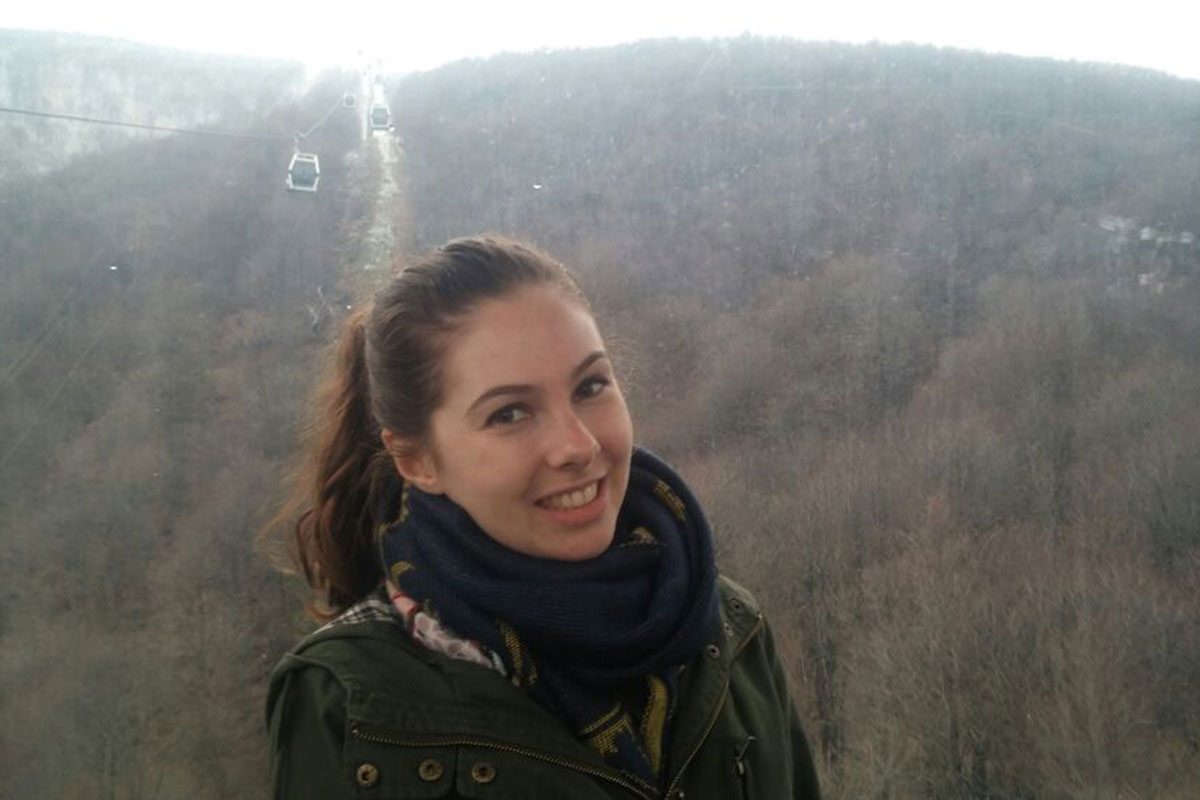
(597, 641)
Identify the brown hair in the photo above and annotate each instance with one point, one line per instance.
(386, 375)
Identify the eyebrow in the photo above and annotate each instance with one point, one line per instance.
(525, 388)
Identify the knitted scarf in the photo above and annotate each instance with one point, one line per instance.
(599, 641)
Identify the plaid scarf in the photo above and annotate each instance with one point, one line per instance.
(600, 641)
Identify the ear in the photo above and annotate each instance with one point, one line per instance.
(413, 461)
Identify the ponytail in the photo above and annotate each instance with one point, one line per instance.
(333, 539)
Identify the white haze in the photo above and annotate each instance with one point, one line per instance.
(402, 37)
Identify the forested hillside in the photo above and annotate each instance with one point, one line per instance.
(922, 327)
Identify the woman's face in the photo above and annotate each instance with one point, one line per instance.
(532, 436)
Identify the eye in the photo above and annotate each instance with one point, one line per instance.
(590, 387)
(508, 415)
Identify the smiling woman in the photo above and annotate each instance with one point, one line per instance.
(518, 600)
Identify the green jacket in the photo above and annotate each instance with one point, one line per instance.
(360, 710)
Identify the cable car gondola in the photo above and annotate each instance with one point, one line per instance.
(304, 172)
(380, 117)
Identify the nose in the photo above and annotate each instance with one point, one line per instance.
(571, 443)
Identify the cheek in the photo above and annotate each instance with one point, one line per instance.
(621, 426)
(502, 476)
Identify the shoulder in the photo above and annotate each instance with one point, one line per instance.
(755, 739)
(741, 619)
(733, 594)
(367, 645)
(362, 659)
(754, 659)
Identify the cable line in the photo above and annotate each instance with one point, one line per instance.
(141, 126)
(28, 112)
(87, 351)
(38, 341)
(336, 105)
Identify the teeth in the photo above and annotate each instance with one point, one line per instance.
(574, 499)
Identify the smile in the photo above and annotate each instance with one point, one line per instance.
(572, 499)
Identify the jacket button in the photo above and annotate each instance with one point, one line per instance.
(367, 775)
(713, 651)
(430, 770)
(483, 772)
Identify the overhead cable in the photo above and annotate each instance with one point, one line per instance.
(169, 129)
(145, 127)
(336, 105)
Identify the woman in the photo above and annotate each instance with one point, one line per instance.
(523, 603)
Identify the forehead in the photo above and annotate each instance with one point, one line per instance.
(534, 335)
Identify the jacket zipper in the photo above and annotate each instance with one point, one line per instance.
(712, 718)
(739, 764)
(379, 738)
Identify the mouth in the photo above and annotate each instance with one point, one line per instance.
(572, 498)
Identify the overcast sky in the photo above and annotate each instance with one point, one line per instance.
(1160, 34)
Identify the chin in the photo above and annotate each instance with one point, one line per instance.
(585, 547)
